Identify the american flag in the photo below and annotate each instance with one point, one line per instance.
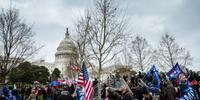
(84, 80)
(74, 67)
(80, 79)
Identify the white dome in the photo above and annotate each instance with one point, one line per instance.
(66, 53)
(66, 46)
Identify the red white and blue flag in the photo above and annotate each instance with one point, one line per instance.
(73, 67)
(84, 80)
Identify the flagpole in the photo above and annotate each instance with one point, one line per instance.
(126, 85)
(91, 69)
(71, 74)
(78, 77)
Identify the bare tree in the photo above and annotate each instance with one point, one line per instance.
(124, 58)
(105, 33)
(82, 28)
(141, 53)
(170, 52)
(186, 59)
(16, 41)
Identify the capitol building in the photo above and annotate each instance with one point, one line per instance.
(66, 53)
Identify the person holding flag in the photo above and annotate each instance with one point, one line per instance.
(79, 93)
(152, 80)
(185, 91)
(84, 81)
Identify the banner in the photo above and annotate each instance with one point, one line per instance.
(188, 93)
(174, 72)
(152, 80)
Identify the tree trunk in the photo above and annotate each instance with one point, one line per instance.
(99, 81)
(2, 79)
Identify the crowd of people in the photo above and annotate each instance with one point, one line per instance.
(39, 92)
(133, 87)
(145, 87)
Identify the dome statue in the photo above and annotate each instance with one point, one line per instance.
(66, 54)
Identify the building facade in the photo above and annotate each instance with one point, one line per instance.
(66, 53)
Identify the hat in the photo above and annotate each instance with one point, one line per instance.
(36, 82)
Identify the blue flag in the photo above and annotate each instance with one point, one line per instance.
(154, 82)
(174, 72)
(188, 93)
(79, 94)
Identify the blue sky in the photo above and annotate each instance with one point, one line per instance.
(147, 17)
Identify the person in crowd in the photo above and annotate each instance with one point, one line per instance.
(44, 93)
(56, 92)
(163, 78)
(16, 95)
(67, 94)
(71, 90)
(184, 88)
(182, 84)
(28, 92)
(79, 93)
(5, 92)
(117, 83)
(95, 87)
(198, 92)
(113, 94)
(126, 95)
(140, 75)
(168, 91)
(10, 88)
(33, 95)
(125, 77)
(146, 94)
(193, 79)
(37, 89)
(3, 97)
(49, 92)
(112, 89)
(103, 91)
(23, 91)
